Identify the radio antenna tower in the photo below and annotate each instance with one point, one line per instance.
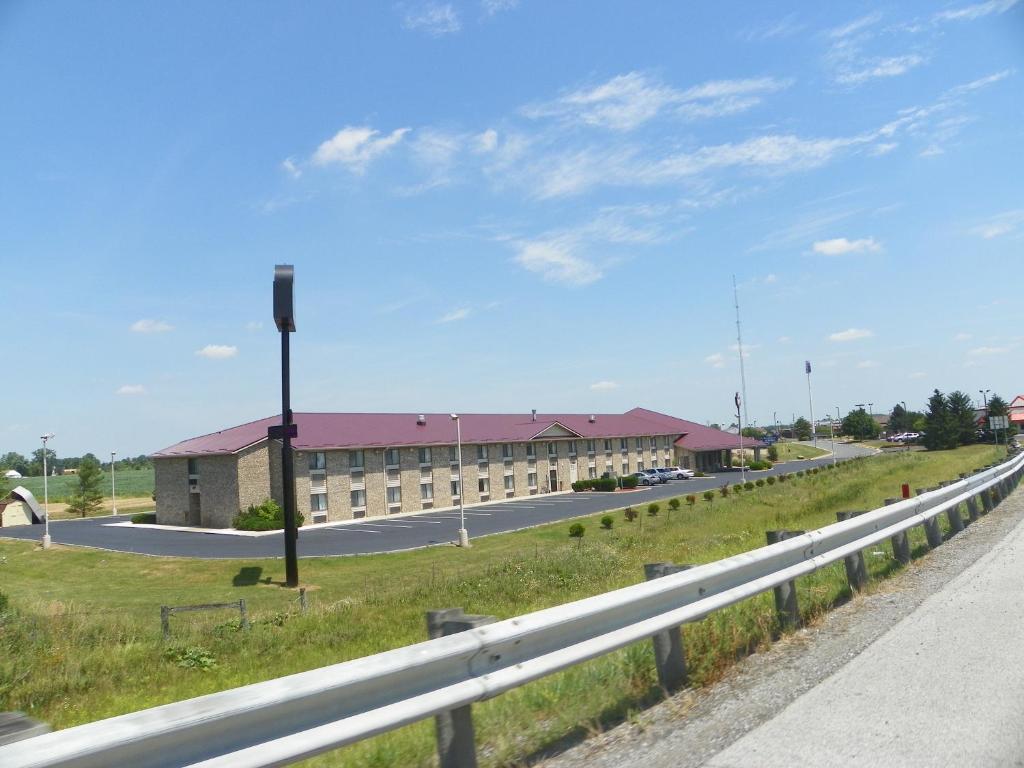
(739, 348)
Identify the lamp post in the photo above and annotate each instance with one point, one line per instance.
(46, 495)
(463, 533)
(113, 486)
(832, 434)
(284, 275)
(810, 403)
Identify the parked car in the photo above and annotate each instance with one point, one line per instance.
(677, 473)
(655, 474)
(643, 478)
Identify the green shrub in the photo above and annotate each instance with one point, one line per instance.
(144, 517)
(673, 504)
(748, 486)
(576, 530)
(759, 465)
(603, 484)
(630, 514)
(773, 453)
(709, 495)
(783, 478)
(267, 516)
(699, 474)
(724, 490)
(759, 482)
(770, 480)
(737, 488)
(629, 481)
(800, 473)
(607, 522)
(653, 509)
(190, 657)
(691, 499)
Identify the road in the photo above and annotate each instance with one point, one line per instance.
(376, 535)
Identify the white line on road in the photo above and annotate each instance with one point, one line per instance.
(351, 528)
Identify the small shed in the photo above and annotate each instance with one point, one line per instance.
(12, 474)
(20, 508)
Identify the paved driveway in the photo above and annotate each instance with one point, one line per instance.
(379, 534)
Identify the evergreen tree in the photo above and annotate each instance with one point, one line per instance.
(939, 433)
(997, 406)
(88, 496)
(962, 421)
(899, 419)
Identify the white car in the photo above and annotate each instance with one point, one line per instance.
(677, 473)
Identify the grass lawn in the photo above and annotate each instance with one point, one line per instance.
(789, 451)
(81, 638)
(131, 483)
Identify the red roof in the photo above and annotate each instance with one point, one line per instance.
(320, 431)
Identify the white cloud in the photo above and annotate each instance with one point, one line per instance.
(626, 102)
(851, 334)
(1002, 224)
(435, 19)
(987, 351)
(556, 261)
(217, 351)
(604, 386)
(962, 337)
(456, 314)
(771, 278)
(717, 360)
(857, 25)
(486, 141)
(254, 325)
(918, 375)
(491, 7)
(888, 67)
(840, 245)
(977, 11)
(151, 326)
(355, 147)
(289, 166)
(883, 148)
(868, 364)
(131, 389)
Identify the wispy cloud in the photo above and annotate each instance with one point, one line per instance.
(627, 101)
(492, 7)
(868, 364)
(254, 325)
(131, 389)
(355, 147)
(604, 386)
(783, 28)
(851, 334)
(217, 351)
(436, 19)
(289, 166)
(918, 375)
(884, 67)
(151, 326)
(988, 351)
(1001, 224)
(840, 246)
(557, 260)
(977, 11)
(855, 26)
(716, 360)
(455, 315)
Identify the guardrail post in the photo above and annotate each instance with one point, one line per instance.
(986, 501)
(931, 526)
(785, 594)
(669, 654)
(972, 503)
(856, 569)
(456, 739)
(900, 542)
(956, 520)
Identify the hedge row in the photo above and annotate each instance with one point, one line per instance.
(596, 484)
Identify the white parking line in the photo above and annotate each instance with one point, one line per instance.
(351, 528)
(389, 524)
(479, 514)
(516, 506)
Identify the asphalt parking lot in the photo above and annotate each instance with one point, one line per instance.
(380, 534)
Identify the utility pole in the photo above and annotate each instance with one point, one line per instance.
(739, 348)
(810, 402)
(284, 318)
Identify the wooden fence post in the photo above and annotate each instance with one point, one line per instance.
(669, 654)
(243, 617)
(165, 621)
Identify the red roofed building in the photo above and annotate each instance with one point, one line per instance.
(352, 465)
(1016, 411)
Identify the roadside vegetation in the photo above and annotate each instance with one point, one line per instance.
(80, 638)
(790, 451)
(131, 483)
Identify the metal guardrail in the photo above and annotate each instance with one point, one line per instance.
(291, 718)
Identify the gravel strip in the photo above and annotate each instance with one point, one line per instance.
(688, 729)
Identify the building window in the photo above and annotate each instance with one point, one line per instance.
(625, 467)
(318, 502)
(424, 455)
(623, 445)
(654, 444)
(481, 453)
(355, 459)
(358, 499)
(639, 466)
(552, 449)
(506, 450)
(654, 462)
(572, 447)
(607, 445)
(592, 472)
(426, 491)
(317, 460)
(453, 454)
(193, 467)
(664, 441)
(455, 489)
(531, 480)
(639, 444)
(591, 446)
(484, 486)
(531, 451)
(394, 495)
(510, 483)
(391, 457)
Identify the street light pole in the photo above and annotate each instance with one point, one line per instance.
(113, 486)
(46, 495)
(284, 275)
(810, 402)
(463, 533)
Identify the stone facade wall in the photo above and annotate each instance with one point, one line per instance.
(254, 475)
(171, 487)
(218, 490)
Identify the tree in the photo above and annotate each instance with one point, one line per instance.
(755, 432)
(35, 467)
(802, 428)
(962, 419)
(899, 419)
(715, 426)
(939, 430)
(15, 461)
(88, 496)
(860, 425)
(997, 406)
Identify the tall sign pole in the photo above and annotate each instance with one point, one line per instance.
(284, 318)
(739, 349)
(743, 458)
(810, 402)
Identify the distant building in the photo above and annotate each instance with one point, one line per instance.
(354, 465)
(12, 474)
(1016, 412)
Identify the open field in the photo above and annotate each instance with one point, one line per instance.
(789, 451)
(131, 483)
(81, 639)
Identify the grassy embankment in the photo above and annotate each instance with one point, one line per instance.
(790, 451)
(82, 639)
(134, 491)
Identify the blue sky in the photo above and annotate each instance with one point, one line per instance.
(501, 205)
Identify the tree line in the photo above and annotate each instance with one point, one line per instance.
(33, 466)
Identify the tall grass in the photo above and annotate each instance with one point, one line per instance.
(82, 640)
(131, 483)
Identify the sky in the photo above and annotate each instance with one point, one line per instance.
(501, 205)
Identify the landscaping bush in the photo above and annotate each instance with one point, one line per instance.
(630, 514)
(724, 490)
(673, 504)
(737, 488)
(770, 480)
(800, 473)
(773, 453)
(748, 486)
(603, 484)
(607, 522)
(653, 510)
(267, 516)
(783, 478)
(629, 481)
(759, 482)
(576, 530)
(759, 465)
(691, 499)
(709, 496)
(144, 517)
(699, 474)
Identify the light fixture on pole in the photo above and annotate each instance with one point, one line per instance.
(46, 495)
(113, 485)
(984, 396)
(284, 318)
(463, 533)
(810, 402)
(832, 434)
